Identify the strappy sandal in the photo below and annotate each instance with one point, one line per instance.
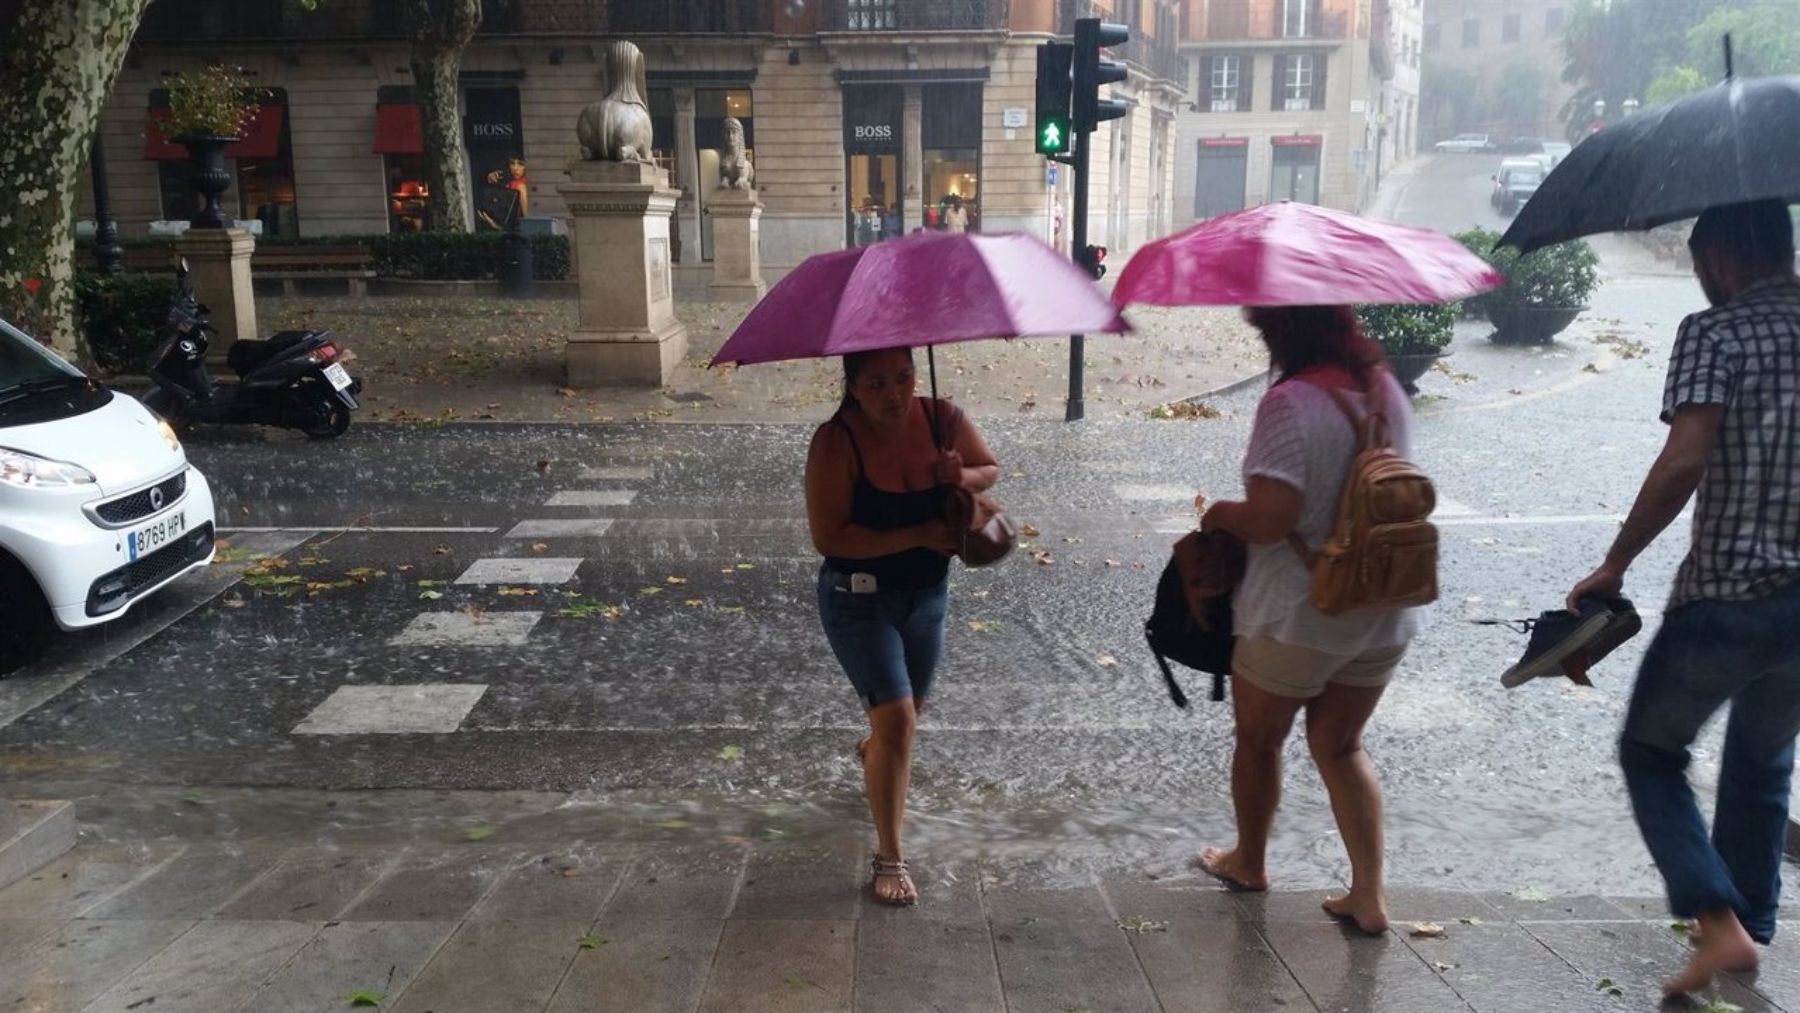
(908, 896)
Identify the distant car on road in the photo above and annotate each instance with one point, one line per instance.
(1466, 144)
(1555, 151)
(98, 504)
(1514, 184)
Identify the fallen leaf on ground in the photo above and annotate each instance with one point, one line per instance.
(518, 592)
(591, 941)
(1141, 926)
(366, 997)
(540, 546)
(674, 824)
(983, 625)
(676, 580)
(430, 595)
(440, 550)
(1027, 531)
(477, 833)
(1441, 966)
(1531, 894)
(1426, 930)
(1609, 986)
(1106, 661)
(731, 753)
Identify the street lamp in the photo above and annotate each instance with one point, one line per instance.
(108, 253)
(1631, 107)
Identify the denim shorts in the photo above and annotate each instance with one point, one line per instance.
(889, 642)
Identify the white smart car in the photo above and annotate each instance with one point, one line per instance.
(1466, 144)
(98, 504)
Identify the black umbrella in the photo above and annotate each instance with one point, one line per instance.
(1734, 142)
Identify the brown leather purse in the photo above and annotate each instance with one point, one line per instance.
(988, 534)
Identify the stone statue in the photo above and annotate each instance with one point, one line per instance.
(735, 170)
(617, 128)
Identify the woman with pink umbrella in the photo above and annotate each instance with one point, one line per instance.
(881, 472)
(1297, 268)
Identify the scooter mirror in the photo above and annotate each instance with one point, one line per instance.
(184, 267)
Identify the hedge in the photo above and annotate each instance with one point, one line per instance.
(120, 315)
(432, 256)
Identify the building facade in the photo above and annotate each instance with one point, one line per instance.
(1501, 67)
(866, 119)
(1306, 100)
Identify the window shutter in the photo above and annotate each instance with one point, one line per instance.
(1246, 80)
(1318, 89)
(1279, 92)
(1204, 102)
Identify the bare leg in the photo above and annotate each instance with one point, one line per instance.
(1723, 948)
(1334, 726)
(1263, 722)
(887, 771)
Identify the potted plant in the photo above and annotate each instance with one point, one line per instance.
(1544, 292)
(1412, 336)
(209, 109)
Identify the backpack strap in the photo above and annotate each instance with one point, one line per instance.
(1371, 430)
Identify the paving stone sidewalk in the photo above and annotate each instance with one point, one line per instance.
(475, 927)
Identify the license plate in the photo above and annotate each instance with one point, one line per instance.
(155, 535)
(338, 375)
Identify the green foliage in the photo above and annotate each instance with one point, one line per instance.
(1408, 330)
(433, 256)
(1765, 40)
(211, 100)
(1447, 87)
(1561, 275)
(1615, 49)
(120, 315)
(1673, 83)
(1519, 91)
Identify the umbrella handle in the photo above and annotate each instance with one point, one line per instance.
(937, 438)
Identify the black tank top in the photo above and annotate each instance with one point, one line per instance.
(879, 510)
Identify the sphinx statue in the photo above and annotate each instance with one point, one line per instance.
(617, 128)
(735, 170)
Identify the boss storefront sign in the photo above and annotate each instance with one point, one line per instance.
(873, 117)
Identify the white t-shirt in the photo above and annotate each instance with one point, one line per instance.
(1302, 438)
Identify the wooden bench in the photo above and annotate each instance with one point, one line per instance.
(281, 270)
(299, 270)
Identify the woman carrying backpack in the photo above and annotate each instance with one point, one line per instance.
(876, 484)
(1290, 657)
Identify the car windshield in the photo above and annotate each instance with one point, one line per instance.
(1524, 176)
(37, 386)
(24, 362)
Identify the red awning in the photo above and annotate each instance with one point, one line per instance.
(399, 129)
(262, 138)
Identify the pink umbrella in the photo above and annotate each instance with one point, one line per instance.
(930, 288)
(1289, 254)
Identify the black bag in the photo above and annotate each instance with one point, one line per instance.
(1191, 621)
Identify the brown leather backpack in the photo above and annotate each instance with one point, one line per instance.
(1383, 551)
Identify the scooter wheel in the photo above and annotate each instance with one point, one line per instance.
(328, 418)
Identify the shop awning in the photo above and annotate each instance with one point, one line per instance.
(399, 130)
(262, 138)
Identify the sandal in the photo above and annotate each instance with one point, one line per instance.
(908, 895)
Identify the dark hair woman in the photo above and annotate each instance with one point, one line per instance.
(875, 479)
(1290, 657)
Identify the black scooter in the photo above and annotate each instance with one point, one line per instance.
(295, 379)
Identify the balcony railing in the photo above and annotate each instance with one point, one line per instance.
(1155, 56)
(915, 15)
(178, 21)
(684, 17)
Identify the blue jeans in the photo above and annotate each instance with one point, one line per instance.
(1708, 653)
(889, 642)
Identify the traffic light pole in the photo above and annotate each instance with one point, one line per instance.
(1076, 409)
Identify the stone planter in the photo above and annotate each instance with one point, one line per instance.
(1408, 367)
(1530, 325)
(206, 160)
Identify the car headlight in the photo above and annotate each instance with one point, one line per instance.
(168, 434)
(28, 470)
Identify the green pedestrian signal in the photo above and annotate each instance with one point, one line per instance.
(1053, 81)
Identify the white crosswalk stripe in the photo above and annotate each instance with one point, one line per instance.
(527, 570)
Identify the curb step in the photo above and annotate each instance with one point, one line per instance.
(32, 834)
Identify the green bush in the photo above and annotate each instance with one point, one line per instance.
(1412, 329)
(120, 315)
(1561, 275)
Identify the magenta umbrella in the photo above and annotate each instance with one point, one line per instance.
(1289, 254)
(930, 288)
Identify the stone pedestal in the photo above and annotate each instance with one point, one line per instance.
(737, 246)
(627, 332)
(219, 268)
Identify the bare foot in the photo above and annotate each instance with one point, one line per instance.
(893, 882)
(1369, 915)
(1724, 948)
(1225, 866)
(862, 749)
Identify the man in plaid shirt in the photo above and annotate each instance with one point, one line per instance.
(1732, 402)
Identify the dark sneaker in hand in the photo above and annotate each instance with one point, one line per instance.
(1622, 623)
(1567, 642)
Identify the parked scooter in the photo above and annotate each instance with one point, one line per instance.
(295, 379)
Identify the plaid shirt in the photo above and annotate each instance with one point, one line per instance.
(1744, 355)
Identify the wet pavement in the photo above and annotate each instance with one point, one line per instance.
(511, 686)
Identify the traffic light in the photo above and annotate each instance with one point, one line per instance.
(1090, 72)
(1093, 260)
(1053, 97)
